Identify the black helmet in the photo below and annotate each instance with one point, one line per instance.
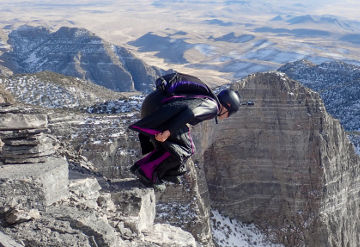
(230, 99)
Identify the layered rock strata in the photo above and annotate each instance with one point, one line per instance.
(284, 159)
(25, 136)
(27, 161)
(51, 205)
(104, 140)
(186, 206)
(108, 144)
(264, 161)
(283, 156)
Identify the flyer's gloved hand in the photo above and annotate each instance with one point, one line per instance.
(163, 136)
(161, 84)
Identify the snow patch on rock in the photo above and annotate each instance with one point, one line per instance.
(232, 233)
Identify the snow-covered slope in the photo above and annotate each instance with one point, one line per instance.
(131, 104)
(52, 90)
(232, 233)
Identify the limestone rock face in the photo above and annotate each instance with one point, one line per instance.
(266, 159)
(29, 171)
(104, 140)
(33, 185)
(282, 155)
(112, 149)
(186, 206)
(283, 159)
(5, 96)
(45, 202)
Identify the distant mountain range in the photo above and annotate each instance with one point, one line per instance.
(225, 49)
(316, 26)
(329, 20)
(79, 53)
(237, 49)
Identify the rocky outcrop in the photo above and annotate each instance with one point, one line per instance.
(104, 140)
(187, 207)
(25, 137)
(52, 205)
(266, 160)
(108, 144)
(282, 160)
(283, 156)
(25, 141)
(5, 97)
(338, 85)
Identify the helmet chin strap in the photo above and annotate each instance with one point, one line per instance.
(222, 107)
(219, 115)
(222, 112)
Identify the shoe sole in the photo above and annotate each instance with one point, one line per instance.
(144, 180)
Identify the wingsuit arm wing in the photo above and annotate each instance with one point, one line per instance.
(206, 110)
(158, 120)
(176, 115)
(180, 120)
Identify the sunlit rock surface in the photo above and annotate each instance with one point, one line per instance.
(281, 153)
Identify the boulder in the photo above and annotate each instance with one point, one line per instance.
(85, 191)
(22, 121)
(136, 204)
(97, 229)
(16, 216)
(167, 235)
(35, 185)
(7, 241)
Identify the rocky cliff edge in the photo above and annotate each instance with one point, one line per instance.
(46, 202)
(287, 162)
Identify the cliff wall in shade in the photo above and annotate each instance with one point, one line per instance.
(283, 156)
